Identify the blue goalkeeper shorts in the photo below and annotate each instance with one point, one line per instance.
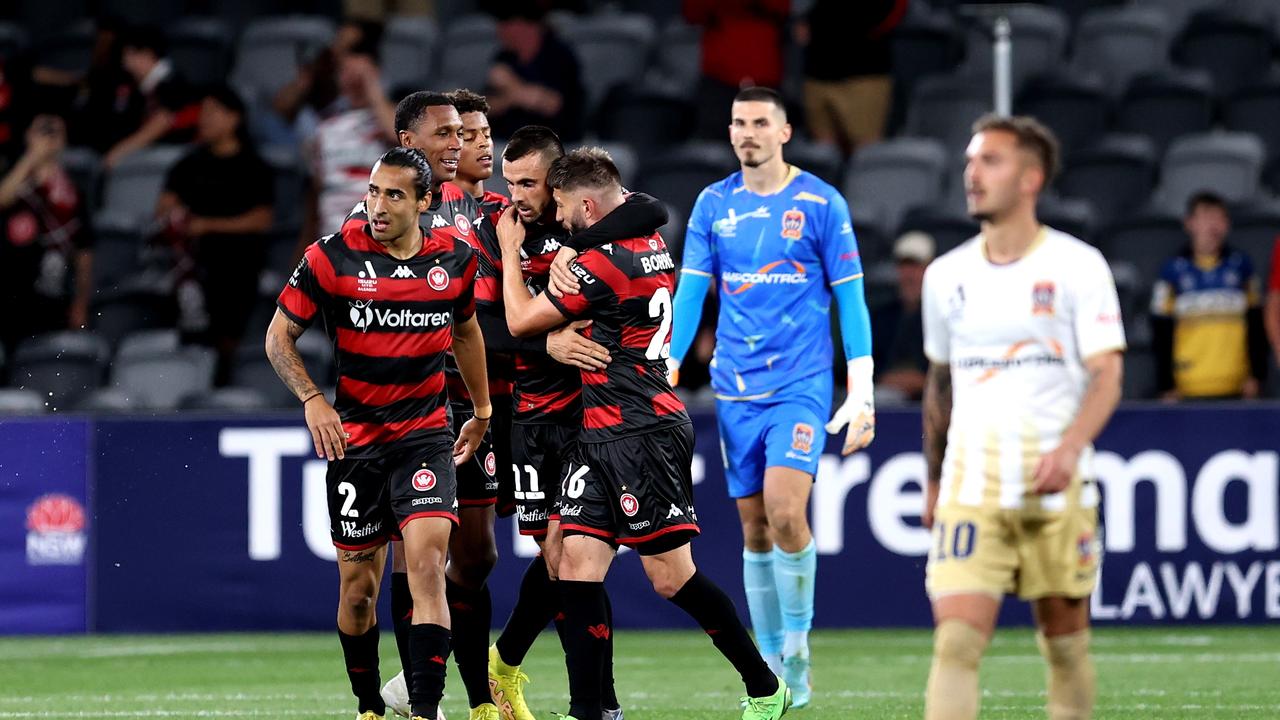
(782, 430)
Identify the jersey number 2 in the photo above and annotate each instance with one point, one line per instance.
(660, 307)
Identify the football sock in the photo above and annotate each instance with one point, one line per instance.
(714, 612)
(361, 655)
(470, 612)
(537, 604)
(429, 645)
(608, 695)
(587, 633)
(952, 692)
(1070, 676)
(794, 574)
(762, 603)
(402, 617)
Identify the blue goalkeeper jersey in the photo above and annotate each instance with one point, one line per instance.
(774, 259)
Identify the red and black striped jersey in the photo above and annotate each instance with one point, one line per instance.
(626, 292)
(546, 392)
(391, 324)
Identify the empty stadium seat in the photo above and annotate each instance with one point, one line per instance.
(1166, 105)
(229, 399)
(1179, 12)
(677, 59)
(1236, 51)
(1116, 175)
(889, 178)
(1229, 164)
(1254, 230)
(161, 380)
(645, 118)
(926, 43)
(143, 343)
(625, 159)
(679, 174)
(409, 47)
(133, 187)
(1074, 216)
(60, 366)
(612, 50)
(15, 401)
(200, 48)
(69, 49)
(108, 400)
(1121, 43)
(13, 40)
(821, 159)
(117, 256)
(945, 107)
(1141, 244)
(471, 41)
(1074, 106)
(116, 315)
(1039, 36)
(948, 229)
(1255, 109)
(272, 49)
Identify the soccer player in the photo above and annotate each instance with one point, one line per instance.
(548, 410)
(780, 243)
(629, 479)
(1022, 329)
(429, 121)
(393, 300)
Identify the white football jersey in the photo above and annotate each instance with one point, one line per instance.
(344, 149)
(1016, 337)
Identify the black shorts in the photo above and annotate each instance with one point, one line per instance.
(477, 478)
(539, 456)
(635, 491)
(500, 431)
(371, 499)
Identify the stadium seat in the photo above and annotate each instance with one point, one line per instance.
(61, 366)
(160, 380)
(1074, 216)
(1254, 109)
(148, 342)
(1229, 164)
(645, 118)
(1075, 107)
(889, 178)
(272, 49)
(117, 256)
(1166, 105)
(1077, 9)
(679, 174)
(1039, 37)
(1116, 175)
(1254, 230)
(13, 40)
(252, 369)
(16, 401)
(673, 232)
(84, 165)
(945, 107)
(133, 186)
(117, 314)
(677, 59)
(926, 43)
(612, 50)
(231, 399)
(409, 47)
(108, 400)
(1139, 375)
(625, 159)
(1141, 244)
(472, 42)
(70, 49)
(1118, 44)
(821, 159)
(200, 48)
(948, 229)
(1234, 50)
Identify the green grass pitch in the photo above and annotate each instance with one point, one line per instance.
(1184, 672)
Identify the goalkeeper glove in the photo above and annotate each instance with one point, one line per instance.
(859, 409)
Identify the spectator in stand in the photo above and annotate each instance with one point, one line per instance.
(217, 204)
(170, 109)
(741, 47)
(381, 11)
(1272, 310)
(1206, 313)
(897, 327)
(315, 94)
(102, 106)
(848, 88)
(535, 78)
(46, 261)
(359, 128)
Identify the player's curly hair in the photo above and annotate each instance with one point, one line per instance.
(415, 160)
(468, 101)
(587, 167)
(1032, 135)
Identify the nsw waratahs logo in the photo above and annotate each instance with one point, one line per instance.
(55, 531)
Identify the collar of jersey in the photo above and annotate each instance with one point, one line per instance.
(793, 172)
(1041, 235)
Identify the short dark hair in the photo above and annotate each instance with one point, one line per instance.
(414, 159)
(530, 139)
(227, 97)
(411, 110)
(587, 167)
(144, 37)
(1031, 135)
(468, 101)
(760, 93)
(1205, 197)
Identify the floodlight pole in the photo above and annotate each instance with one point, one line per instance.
(1002, 67)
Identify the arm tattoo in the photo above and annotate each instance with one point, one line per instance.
(937, 417)
(284, 357)
(358, 556)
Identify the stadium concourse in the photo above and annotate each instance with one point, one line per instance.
(167, 545)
